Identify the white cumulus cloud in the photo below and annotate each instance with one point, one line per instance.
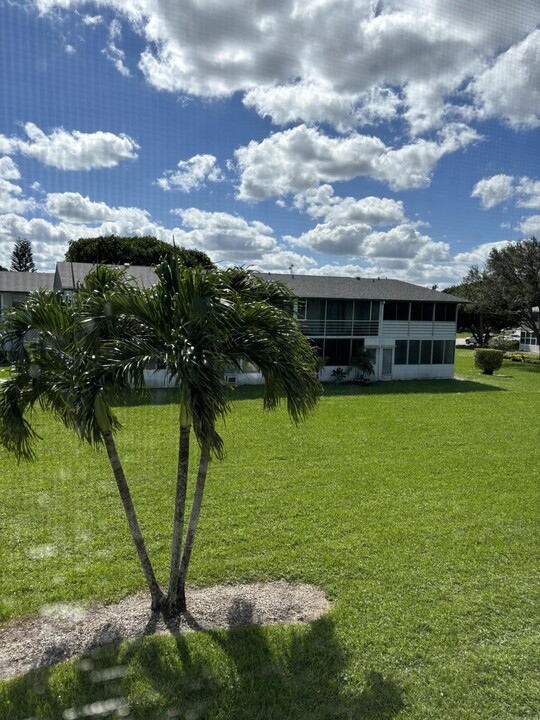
(191, 174)
(530, 226)
(73, 150)
(494, 190)
(301, 158)
(424, 52)
(229, 238)
(74, 208)
(510, 87)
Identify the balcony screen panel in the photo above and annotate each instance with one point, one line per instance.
(402, 311)
(400, 355)
(438, 352)
(414, 352)
(315, 309)
(416, 311)
(390, 310)
(449, 349)
(445, 312)
(337, 352)
(425, 352)
(339, 309)
(375, 309)
(362, 310)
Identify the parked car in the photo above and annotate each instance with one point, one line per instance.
(471, 340)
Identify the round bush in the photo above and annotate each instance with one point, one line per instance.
(488, 360)
(499, 342)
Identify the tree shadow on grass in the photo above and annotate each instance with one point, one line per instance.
(299, 672)
(411, 387)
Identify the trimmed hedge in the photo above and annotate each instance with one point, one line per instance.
(488, 360)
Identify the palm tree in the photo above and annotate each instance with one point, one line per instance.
(76, 357)
(58, 366)
(362, 362)
(193, 323)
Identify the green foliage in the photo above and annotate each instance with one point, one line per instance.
(339, 375)
(362, 363)
(488, 360)
(508, 288)
(500, 342)
(21, 258)
(478, 316)
(148, 250)
(3, 269)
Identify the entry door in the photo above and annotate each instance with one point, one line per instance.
(387, 364)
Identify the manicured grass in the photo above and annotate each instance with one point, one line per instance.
(414, 505)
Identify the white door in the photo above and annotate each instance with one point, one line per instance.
(387, 364)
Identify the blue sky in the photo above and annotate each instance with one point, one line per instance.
(392, 138)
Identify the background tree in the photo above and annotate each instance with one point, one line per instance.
(21, 257)
(479, 317)
(2, 269)
(148, 250)
(512, 277)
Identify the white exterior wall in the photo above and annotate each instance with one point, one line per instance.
(529, 348)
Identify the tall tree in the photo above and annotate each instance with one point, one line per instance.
(479, 316)
(193, 323)
(148, 250)
(512, 276)
(21, 258)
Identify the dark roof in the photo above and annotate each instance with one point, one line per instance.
(68, 275)
(350, 288)
(25, 282)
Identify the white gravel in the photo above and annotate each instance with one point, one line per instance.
(64, 631)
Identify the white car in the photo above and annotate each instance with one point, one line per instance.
(471, 340)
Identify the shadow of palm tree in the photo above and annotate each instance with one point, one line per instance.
(244, 673)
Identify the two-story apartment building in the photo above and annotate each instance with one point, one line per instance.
(409, 330)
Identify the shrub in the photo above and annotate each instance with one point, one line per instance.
(339, 375)
(488, 360)
(500, 342)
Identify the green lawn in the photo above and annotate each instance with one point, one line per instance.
(414, 505)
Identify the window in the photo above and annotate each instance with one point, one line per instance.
(445, 312)
(400, 355)
(315, 309)
(422, 311)
(362, 310)
(414, 352)
(449, 350)
(438, 352)
(425, 352)
(301, 309)
(337, 352)
(394, 310)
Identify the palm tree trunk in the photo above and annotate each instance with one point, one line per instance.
(192, 527)
(134, 527)
(178, 518)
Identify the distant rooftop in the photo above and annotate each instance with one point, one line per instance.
(350, 288)
(25, 281)
(70, 274)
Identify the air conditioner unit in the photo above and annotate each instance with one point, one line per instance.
(231, 378)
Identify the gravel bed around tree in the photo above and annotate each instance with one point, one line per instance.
(62, 631)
